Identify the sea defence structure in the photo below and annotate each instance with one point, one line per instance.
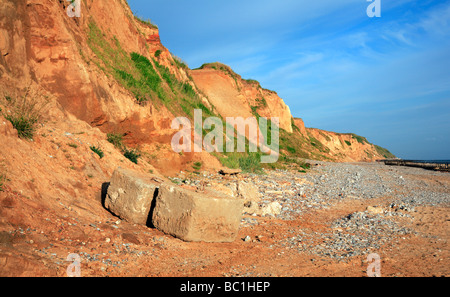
(432, 165)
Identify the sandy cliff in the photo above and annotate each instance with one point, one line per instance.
(233, 96)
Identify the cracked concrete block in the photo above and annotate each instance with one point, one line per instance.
(130, 195)
(197, 216)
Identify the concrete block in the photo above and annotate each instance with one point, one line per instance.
(197, 216)
(130, 195)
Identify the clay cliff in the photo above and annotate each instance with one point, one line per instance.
(233, 96)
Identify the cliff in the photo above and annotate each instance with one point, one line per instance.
(233, 96)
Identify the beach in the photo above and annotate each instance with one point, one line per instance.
(328, 222)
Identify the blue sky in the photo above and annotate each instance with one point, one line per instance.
(386, 78)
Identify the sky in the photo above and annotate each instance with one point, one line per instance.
(386, 78)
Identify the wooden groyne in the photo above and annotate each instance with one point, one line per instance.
(413, 163)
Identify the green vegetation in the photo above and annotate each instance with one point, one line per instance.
(98, 151)
(157, 53)
(74, 145)
(348, 142)
(247, 162)
(132, 154)
(115, 139)
(253, 82)
(384, 152)
(24, 113)
(360, 139)
(146, 79)
(179, 62)
(197, 166)
(224, 68)
(147, 22)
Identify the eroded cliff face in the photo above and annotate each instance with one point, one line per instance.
(343, 147)
(72, 60)
(233, 96)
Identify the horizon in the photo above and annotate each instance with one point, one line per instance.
(385, 78)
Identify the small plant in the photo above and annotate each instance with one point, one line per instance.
(348, 143)
(133, 155)
(74, 145)
(292, 150)
(24, 113)
(305, 165)
(116, 139)
(147, 22)
(197, 166)
(157, 53)
(98, 151)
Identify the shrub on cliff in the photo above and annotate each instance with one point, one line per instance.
(24, 112)
(133, 155)
(116, 139)
(98, 151)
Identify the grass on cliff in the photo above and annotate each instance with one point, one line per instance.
(384, 152)
(145, 78)
(25, 112)
(247, 162)
(116, 139)
(98, 151)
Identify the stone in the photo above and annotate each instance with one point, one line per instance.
(197, 216)
(272, 209)
(375, 210)
(228, 171)
(252, 208)
(249, 192)
(227, 190)
(130, 195)
(6, 128)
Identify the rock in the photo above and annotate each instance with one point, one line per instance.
(249, 192)
(228, 171)
(252, 208)
(195, 216)
(130, 238)
(223, 189)
(375, 210)
(130, 195)
(247, 238)
(6, 128)
(273, 209)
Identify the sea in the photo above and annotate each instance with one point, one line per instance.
(431, 161)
